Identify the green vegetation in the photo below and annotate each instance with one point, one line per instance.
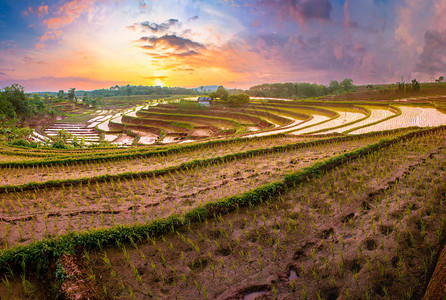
(187, 105)
(259, 200)
(129, 90)
(263, 216)
(221, 93)
(238, 99)
(15, 103)
(200, 213)
(414, 86)
(300, 90)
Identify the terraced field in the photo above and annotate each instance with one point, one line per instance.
(139, 190)
(175, 123)
(277, 199)
(410, 116)
(368, 228)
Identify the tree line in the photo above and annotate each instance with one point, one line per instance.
(129, 90)
(300, 90)
(14, 103)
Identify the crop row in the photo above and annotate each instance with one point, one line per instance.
(143, 162)
(421, 142)
(242, 115)
(369, 228)
(48, 208)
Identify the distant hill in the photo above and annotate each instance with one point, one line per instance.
(77, 93)
(207, 88)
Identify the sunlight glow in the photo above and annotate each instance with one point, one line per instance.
(159, 82)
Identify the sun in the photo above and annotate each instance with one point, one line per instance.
(159, 82)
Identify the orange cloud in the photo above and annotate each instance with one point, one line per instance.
(65, 15)
(58, 22)
(69, 12)
(40, 46)
(41, 11)
(50, 36)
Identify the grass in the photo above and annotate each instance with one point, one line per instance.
(280, 216)
(78, 118)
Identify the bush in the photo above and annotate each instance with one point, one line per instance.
(24, 143)
(238, 99)
(222, 93)
(59, 145)
(19, 142)
(185, 105)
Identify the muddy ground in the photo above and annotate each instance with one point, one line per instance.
(22, 175)
(368, 229)
(50, 211)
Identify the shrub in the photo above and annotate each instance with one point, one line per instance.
(23, 143)
(59, 144)
(238, 99)
(185, 105)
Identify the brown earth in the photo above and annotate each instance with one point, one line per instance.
(366, 229)
(14, 176)
(252, 117)
(22, 175)
(30, 215)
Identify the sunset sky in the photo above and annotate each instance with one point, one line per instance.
(88, 44)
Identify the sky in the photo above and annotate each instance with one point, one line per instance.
(48, 45)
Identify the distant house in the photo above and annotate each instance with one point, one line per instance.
(206, 101)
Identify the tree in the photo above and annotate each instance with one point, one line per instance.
(85, 99)
(6, 108)
(14, 102)
(60, 95)
(213, 95)
(400, 86)
(16, 95)
(334, 86)
(288, 90)
(347, 84)
(61, 139)
(19, 133)
(222, 93)
(128, 90)
(38, 105)
(238, 99)
(415, 85)
(71, 95)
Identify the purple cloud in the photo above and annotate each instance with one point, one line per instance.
(433, 58)
(302, 10)
(172, 41)
(155, 27)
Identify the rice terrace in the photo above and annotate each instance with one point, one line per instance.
(125, 173)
